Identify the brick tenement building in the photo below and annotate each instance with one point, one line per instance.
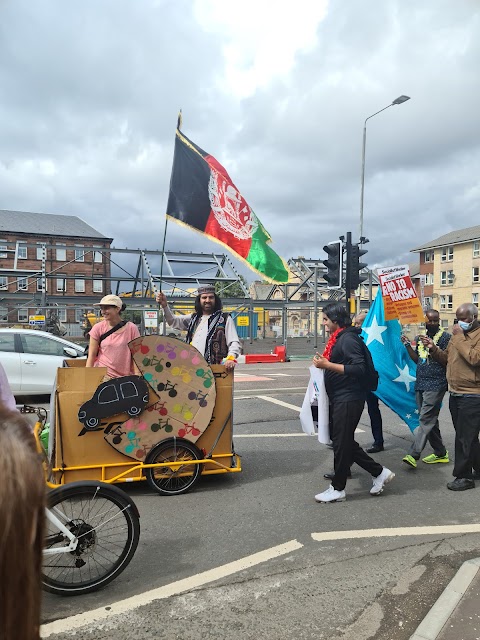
(451, 267)
(65, 249)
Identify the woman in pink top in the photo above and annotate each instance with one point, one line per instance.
(112, 352)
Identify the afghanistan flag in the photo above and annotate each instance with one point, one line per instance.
(203, 196)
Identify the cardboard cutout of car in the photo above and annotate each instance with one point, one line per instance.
(128, 394)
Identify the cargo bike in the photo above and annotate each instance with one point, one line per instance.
(168, 426)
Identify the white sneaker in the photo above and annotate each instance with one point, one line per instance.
(331, 495)
(380, 481)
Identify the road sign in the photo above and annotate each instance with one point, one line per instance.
(151, 318)
(36, 320)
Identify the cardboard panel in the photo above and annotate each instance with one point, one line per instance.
(76, 447)
(222, 414)
(73, 445)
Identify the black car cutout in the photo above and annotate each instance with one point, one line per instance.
(128, 394)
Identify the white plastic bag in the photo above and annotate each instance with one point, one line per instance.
(316, 395)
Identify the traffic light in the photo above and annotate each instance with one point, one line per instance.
(356, 278)
(334, 264)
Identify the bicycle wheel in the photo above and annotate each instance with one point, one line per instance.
(105, 522)
(172, 481)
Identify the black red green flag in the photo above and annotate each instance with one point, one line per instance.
(203, 196)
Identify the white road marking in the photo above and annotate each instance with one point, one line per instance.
(274, 435)
(286, 375)
(294, 393)
(280, 435)
(398, 531)
(280, 402)
(123, 606)
(288, 406)
(282, 390)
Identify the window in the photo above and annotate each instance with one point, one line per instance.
(429, 255)
(447, 254)
(476, 274)
(128, 390)
(97, 286)
(446, 302)
(429, 278)
(446, 277)
(97, 256)
(61, 284)
(476, 249)
(7, 341)
(475, 298)
(3, 314)
(107, 394)
(3, 283)
(444, 324)
(79, 315)
(62, 315)
(3, 249)
(23, 315)
(21, 251)
(41, 345)
(22, 284)
(427, 302)
(61, 254)
(40, 283)
(40, 252)
(80, 284)
(79, 253)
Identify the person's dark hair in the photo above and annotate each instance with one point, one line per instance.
(218, 304)
(437, 313)
(22, 494)
(124, 306)
(337, 313)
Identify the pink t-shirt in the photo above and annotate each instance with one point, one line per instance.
(113, 351)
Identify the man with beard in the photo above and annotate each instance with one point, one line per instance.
(462, 358)
(430, 387)
(209, 330)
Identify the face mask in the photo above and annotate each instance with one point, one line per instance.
(431, 328)
(466, 326)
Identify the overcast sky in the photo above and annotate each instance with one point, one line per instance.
(276, 91)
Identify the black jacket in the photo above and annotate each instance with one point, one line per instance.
(348, 351)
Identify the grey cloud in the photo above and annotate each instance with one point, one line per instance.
(94, 89)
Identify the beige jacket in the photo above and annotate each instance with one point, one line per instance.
(462, 358)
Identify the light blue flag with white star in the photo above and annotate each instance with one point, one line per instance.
(396, 370)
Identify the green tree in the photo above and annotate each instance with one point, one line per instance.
(231, 290)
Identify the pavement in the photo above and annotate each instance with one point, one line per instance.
(456, 614)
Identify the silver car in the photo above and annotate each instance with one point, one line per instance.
(31, 359)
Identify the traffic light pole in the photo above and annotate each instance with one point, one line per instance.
(348, 270)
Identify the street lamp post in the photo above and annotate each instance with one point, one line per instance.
(399, 100)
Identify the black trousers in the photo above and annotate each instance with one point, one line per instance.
(375, 418)
(466, 421)
(344, 418)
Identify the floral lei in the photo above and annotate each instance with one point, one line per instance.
(422, 350)
(330, 344)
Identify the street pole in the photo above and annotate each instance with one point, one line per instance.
(348, 275)
(399, 100)
(315, 308)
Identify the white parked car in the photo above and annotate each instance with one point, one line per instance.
(31, 359)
